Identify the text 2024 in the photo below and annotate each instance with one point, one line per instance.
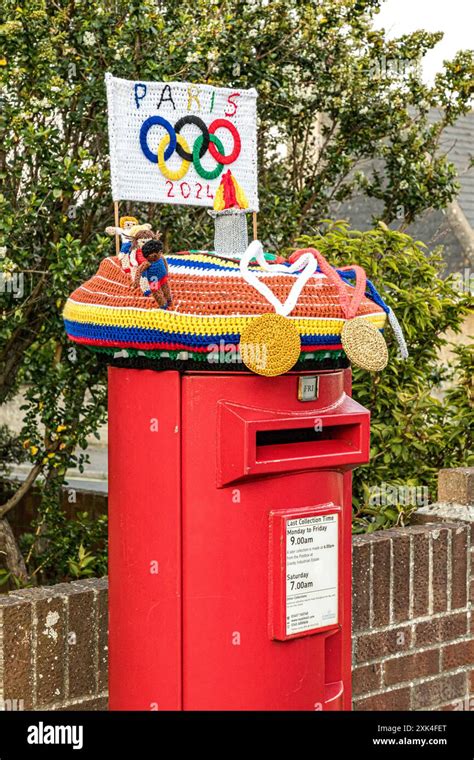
(187, 190)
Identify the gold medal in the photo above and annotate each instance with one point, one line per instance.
(270, 345)
(364, 345)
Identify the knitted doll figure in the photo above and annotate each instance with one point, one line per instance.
(132, 232)
(139, 238)
(125, 231)
(155, 270)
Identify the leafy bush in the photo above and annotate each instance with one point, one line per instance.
(11, 450)
(62, 549)
(413, 432)
(67, 549)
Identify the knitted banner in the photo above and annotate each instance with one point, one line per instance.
(170, 142)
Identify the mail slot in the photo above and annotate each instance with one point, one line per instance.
(264, 441)
(230, 540)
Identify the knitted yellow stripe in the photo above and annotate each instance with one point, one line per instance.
(159, 319)
(206, 259)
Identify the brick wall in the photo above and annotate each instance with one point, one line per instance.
(53, 647)
(413, 642)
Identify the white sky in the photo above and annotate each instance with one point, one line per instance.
(453, 17)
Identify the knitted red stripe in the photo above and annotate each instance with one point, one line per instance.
(177, 346)
(137, 345)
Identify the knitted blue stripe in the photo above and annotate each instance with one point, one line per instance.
(372, 293)
(141, 335)
(375, 296)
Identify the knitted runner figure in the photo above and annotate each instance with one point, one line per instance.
(140, 236)
(154, 269)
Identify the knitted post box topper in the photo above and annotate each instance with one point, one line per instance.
(155, 270)
(214, 304)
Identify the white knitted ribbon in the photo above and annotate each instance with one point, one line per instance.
(307, 264)
(398, 332)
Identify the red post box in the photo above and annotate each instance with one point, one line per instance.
(230, 539)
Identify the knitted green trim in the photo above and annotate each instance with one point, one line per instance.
(197, 356)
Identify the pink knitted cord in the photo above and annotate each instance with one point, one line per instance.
(349, 305)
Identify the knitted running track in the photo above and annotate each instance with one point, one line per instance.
(211, 304)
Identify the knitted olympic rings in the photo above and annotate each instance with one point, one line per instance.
(174, 141)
